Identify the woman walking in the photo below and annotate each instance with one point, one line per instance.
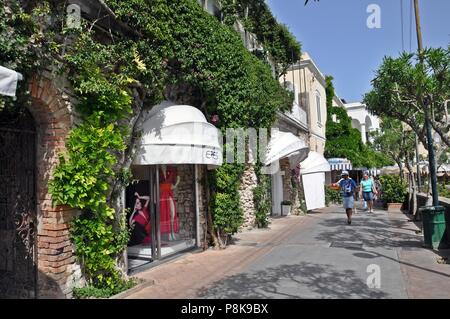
(368, 190)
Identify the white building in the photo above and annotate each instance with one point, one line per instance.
(362, 119)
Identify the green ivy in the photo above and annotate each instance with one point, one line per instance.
(94, 292)
(275, 37)
(179, 52)
(208, 60)
(262, 198)
(332, 196)
(345, 141)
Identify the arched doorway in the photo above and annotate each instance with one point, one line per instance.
(17, 203)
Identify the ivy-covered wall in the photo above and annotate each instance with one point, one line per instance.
(345, 141)
(178, 52)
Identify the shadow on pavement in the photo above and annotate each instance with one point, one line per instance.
(372, 232)
(303, 280)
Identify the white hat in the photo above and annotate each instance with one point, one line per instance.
(344, 173)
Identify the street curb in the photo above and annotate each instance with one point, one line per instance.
(138, 287)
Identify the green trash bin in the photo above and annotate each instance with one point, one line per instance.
(447, 223)
(434, 234)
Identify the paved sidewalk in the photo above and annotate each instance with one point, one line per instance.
(182, 278)
(312, 256)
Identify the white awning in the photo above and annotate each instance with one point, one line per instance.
(285, 144)
(314, 163)
(8, 81)
(393, 169)
(340, 164)
(178, 134)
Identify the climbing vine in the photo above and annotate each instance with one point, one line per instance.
(257, 18)
(345, 141)
(262, 198)
(179, 52)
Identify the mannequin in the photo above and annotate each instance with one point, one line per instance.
(168, 182)
(139, 221)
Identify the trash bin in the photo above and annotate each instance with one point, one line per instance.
(447, 223)
(434, 234)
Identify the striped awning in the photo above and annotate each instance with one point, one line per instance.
(339, 164)
(370, 171)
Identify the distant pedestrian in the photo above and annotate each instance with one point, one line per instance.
(348, 188)
(377, 183)
(368, 190)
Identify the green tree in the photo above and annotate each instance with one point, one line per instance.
(397, 141)
(345, 141)
(405, 89)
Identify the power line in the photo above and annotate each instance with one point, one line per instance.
(401, 19)
(410, 24)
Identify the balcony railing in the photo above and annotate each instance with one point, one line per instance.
(298, 114)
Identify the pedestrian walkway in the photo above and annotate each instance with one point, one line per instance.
(312, 256)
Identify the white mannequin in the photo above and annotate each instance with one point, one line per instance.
(171, 203)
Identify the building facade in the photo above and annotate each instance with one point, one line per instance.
(362, 120)
(308, 83)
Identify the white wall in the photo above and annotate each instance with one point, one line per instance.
(362, 119)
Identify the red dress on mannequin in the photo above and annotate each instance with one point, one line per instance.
(165, 197)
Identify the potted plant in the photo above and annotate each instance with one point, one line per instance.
(286, 207)
(394, 190)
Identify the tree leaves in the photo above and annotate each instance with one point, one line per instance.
(401, 85)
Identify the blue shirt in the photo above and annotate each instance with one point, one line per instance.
(348, 186)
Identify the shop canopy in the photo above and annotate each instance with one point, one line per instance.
(443, 169)
(285, 144)
(394, 169)
(314, 163)
(340, 164)
(8, 81)
(178, 134)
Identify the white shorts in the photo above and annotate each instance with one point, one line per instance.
(349, 202)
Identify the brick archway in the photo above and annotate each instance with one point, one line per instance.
(51, 108)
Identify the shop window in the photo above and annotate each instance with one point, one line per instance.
(161, 216)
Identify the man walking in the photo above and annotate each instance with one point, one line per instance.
(348, 187)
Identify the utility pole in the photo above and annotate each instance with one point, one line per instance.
(426, 104)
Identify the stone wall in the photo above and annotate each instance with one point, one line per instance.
(185, 201)
(203, 204)
(422, 199)
(248, 184)
(52, 109)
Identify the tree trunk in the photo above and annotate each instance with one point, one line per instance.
(412, 203)
(400, 167)
(410, 191)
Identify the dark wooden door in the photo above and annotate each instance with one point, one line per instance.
(17, 204)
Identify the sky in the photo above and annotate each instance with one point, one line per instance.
(336, 35)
